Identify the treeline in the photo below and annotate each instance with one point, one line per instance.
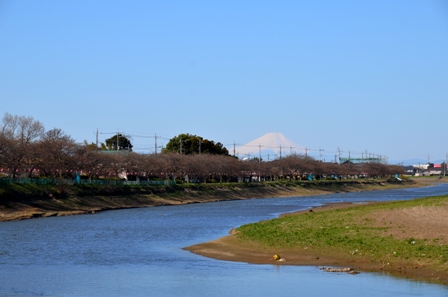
(28, 150)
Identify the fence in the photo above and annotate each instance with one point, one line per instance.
(57, 181)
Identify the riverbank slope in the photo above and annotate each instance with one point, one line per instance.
(32, 201)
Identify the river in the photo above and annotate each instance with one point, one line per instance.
(138, 252)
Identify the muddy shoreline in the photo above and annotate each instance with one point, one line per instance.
(230, 248)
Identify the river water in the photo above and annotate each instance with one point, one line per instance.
(138, 252)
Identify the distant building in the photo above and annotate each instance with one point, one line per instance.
(429, 169)
(379, 160)
(409, 170)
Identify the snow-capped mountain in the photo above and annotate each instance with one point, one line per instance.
(271, 145)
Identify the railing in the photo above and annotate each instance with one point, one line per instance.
(57, 181)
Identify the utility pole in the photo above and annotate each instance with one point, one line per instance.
(234, 148)
(320, 154)
(199, 142)
(259, 153)
(96, 139)
(444, 165)
(446, 161)
(180, 149)
(339, 155)
(117, 142)
(280, 151)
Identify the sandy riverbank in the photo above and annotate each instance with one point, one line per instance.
(421, 223)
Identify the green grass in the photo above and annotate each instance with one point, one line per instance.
(349, 232)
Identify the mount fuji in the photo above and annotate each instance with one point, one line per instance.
(272, 144)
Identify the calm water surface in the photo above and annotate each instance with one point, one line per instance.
(138, 252)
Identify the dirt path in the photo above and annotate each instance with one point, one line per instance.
(417, 222)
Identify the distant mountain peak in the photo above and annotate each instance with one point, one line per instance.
(271, 142)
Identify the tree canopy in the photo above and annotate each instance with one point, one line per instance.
(188, 144)
(123, 143)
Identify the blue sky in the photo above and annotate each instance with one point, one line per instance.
(358, 75)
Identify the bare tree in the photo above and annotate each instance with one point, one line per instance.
(133, 165)
(175, 165)
(155, 166)
(196, 167)
(18, 134)
(57, 154)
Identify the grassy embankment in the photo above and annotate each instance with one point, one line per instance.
(21, 201)
(407, 237)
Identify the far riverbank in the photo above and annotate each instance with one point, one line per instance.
(31, 201)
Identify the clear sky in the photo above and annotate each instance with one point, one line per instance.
(358, 75)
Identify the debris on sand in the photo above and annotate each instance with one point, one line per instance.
(348, 270)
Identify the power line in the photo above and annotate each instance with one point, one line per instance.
(321, 153)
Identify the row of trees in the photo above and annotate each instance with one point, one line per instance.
(28, 150)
